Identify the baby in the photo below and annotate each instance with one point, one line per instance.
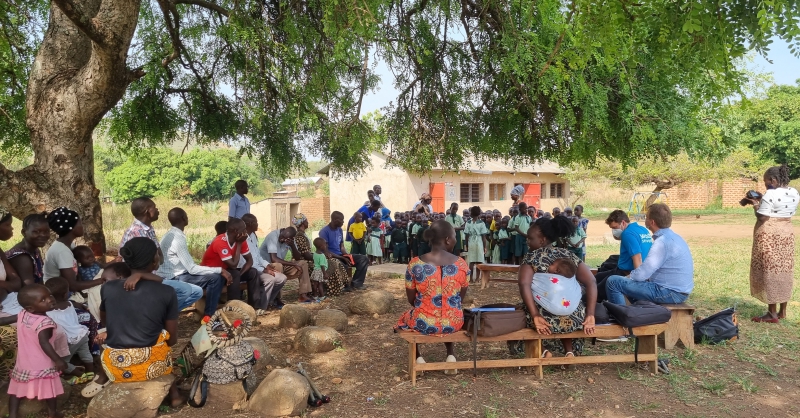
(557, 291)
(88, 267)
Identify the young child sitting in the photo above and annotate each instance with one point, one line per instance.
(66, 317)
(88, 267)
(436, 283)
(220, 227)
(40, 349)
(557, 291)
(320, 273)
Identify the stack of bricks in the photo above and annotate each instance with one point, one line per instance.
(692, 194)
(316, 208)
(734, 190)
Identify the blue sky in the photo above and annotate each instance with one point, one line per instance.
(785, 68)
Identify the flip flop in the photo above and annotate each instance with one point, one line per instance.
(79, 380)
(93, 388)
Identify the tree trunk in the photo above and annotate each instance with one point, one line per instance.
(79, 74)
(660, 185)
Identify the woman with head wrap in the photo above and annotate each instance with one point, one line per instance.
(336, 270)
(142, 324)
(516, 193)
(59, 260)
(9, 280)
(424, 203)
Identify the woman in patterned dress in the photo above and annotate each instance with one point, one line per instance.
(541, 235)
(772, 260)
(9, 282)
(435, 285)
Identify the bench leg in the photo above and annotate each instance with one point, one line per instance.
(412, 362)
(648, 344)
(687, 329)
(533, 350)
(485, 277)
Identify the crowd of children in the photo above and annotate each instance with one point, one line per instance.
(481, 237)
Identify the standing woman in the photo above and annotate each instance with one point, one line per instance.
(26, 256)
(516, 194)
(772, 262)
(9, 280)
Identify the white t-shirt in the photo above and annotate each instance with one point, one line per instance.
(557, 294)
(779, 203)
(58, 257)
(10, 304)
(67, 320)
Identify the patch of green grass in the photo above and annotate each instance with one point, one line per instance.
(625, 374)
(645, 406)
(714, 386)
(746, 384)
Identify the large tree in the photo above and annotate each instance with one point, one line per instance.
(565, 80)
(771, 125)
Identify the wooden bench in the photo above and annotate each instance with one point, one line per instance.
(680, 326)
(486, 274)
(648, 349)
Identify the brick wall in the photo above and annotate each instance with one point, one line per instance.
(733, 191)
(316, 208)
(692, 195)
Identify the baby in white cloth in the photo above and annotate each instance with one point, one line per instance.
(557, 291)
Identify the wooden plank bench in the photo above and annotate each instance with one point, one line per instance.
(680, 326)
(486, 274)
(648, 349)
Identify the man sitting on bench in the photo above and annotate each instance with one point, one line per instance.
(666, 275)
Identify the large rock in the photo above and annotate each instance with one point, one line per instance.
(333, 318)
(130, 400)
(316, 339)
(294, 316)
(247, 309)
(371, 302)
(32, 407)
(283, 392)
(265, 357)
(230, 396)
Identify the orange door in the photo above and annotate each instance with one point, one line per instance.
(437, 193)
(533, 194)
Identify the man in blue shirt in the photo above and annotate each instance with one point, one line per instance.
(666, 275)
(334, 237)
(635, 242)
(239, 205)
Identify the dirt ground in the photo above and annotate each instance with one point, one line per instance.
(756, 376)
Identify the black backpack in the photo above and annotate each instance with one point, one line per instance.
(609, 264)
(722, 326)
(638, 314)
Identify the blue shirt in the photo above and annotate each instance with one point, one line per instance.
(635, 239)
(669, 263)
(238, 206)
(333, 237)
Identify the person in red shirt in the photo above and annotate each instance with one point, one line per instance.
(225, 251)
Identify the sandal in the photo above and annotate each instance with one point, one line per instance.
(567, 354)
(260, 312)
(547, 354)
(79, 380)
(93, 388)
(766, 318)
(451, 359)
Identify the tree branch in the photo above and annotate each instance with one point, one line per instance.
(84, 23)
(558, 43)
(206, 5)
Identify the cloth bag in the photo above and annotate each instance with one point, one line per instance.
(485, 322)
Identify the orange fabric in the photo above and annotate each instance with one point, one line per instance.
(138, 364)
(437, 309)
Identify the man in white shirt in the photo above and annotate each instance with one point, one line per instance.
(179, 265)
(272, 280)
(274, 249)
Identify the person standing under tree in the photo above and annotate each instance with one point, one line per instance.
(239, 204)
(476, 232)
(772, 261)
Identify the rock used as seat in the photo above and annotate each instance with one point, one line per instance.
(282, 393)
(131, 399)
(371, 302)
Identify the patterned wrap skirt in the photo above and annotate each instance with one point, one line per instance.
(772, 261)
(138, 364)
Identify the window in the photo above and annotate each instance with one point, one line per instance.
(470, 192)
(497, 191)
(556, 190)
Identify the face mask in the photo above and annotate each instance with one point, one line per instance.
(617, 233)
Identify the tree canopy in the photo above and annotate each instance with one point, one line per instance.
(564, 80)
(771, 126)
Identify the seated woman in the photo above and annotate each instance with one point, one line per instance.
(541, 236)
(142, 324)
(435, 285)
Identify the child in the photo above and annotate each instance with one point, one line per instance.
(220, 227)
(39, 354)
(65, 316)
(458, 224)
(356, 232)
(320, 273)
(399, 243)
(584, 224)
(88, 267)
(413, 228)
(438, 275)
(476, 232)
(520, 224)
(576, 242)
(557, 291)
(503, 241)
(423, 246)
(374, 249)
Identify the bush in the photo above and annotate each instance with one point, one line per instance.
(200, 175)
